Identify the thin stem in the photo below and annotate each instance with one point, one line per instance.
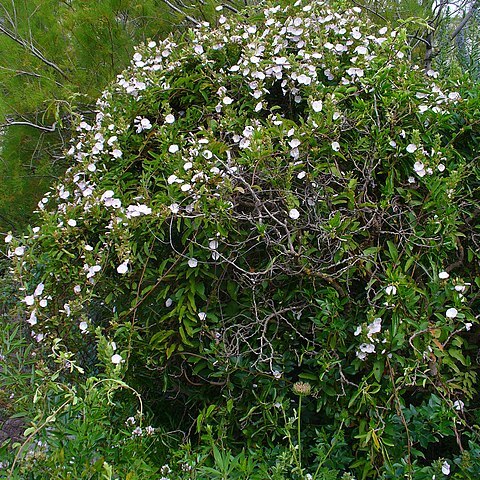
(299, 432)
(334, 442)
(30, 437)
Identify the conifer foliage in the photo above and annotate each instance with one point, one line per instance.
(56, 58)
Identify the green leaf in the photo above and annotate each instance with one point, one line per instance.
(392, 250)
(378, 368)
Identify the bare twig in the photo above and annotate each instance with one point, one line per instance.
(178, 10)
(33, 50)
(52, 128)
(465, 20)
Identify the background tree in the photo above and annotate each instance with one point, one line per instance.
(442, 35)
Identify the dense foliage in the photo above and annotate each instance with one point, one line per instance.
(270, 232)
(56, 58)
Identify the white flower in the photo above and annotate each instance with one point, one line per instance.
(185, 187)
(202, 315)
(294, 143)
(169, 118)
(142, 124)
(301, 174)
(168, 302)
(213, 244)
(174, 207)
(91, 271)
(419, 168)
(187, 166)
(65, 193)
(19, 251)
(29, 300)
(137, 210)
(361, 50)
(116, 153)
(172, 179)
(72, 222)
(43, 302)
(33, 318)
(294, 214)
(374, 327)
(355, 72)
(451, 313)
(441, 167)
(356, 34)
(145, 123)
(391, 290)
(116, 359)
(39, 290)
(8, 238)
(411, 148)
(454, 96)
(130, 421)
(361, 355)
(446, 468)
(458, 405)
(367, 348)
(173, 148)
(335, 146)
(107, 194)
(193, 262)
(227, 100)
(83, 326)
(77, 289)
(443, 275)
(317, 106)
(468, 326)
(304, 79)
(358, 331)
(123, 267)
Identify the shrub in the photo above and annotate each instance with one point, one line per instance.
(273, 223)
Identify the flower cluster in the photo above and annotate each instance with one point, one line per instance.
(370, 331)
(300, 55)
